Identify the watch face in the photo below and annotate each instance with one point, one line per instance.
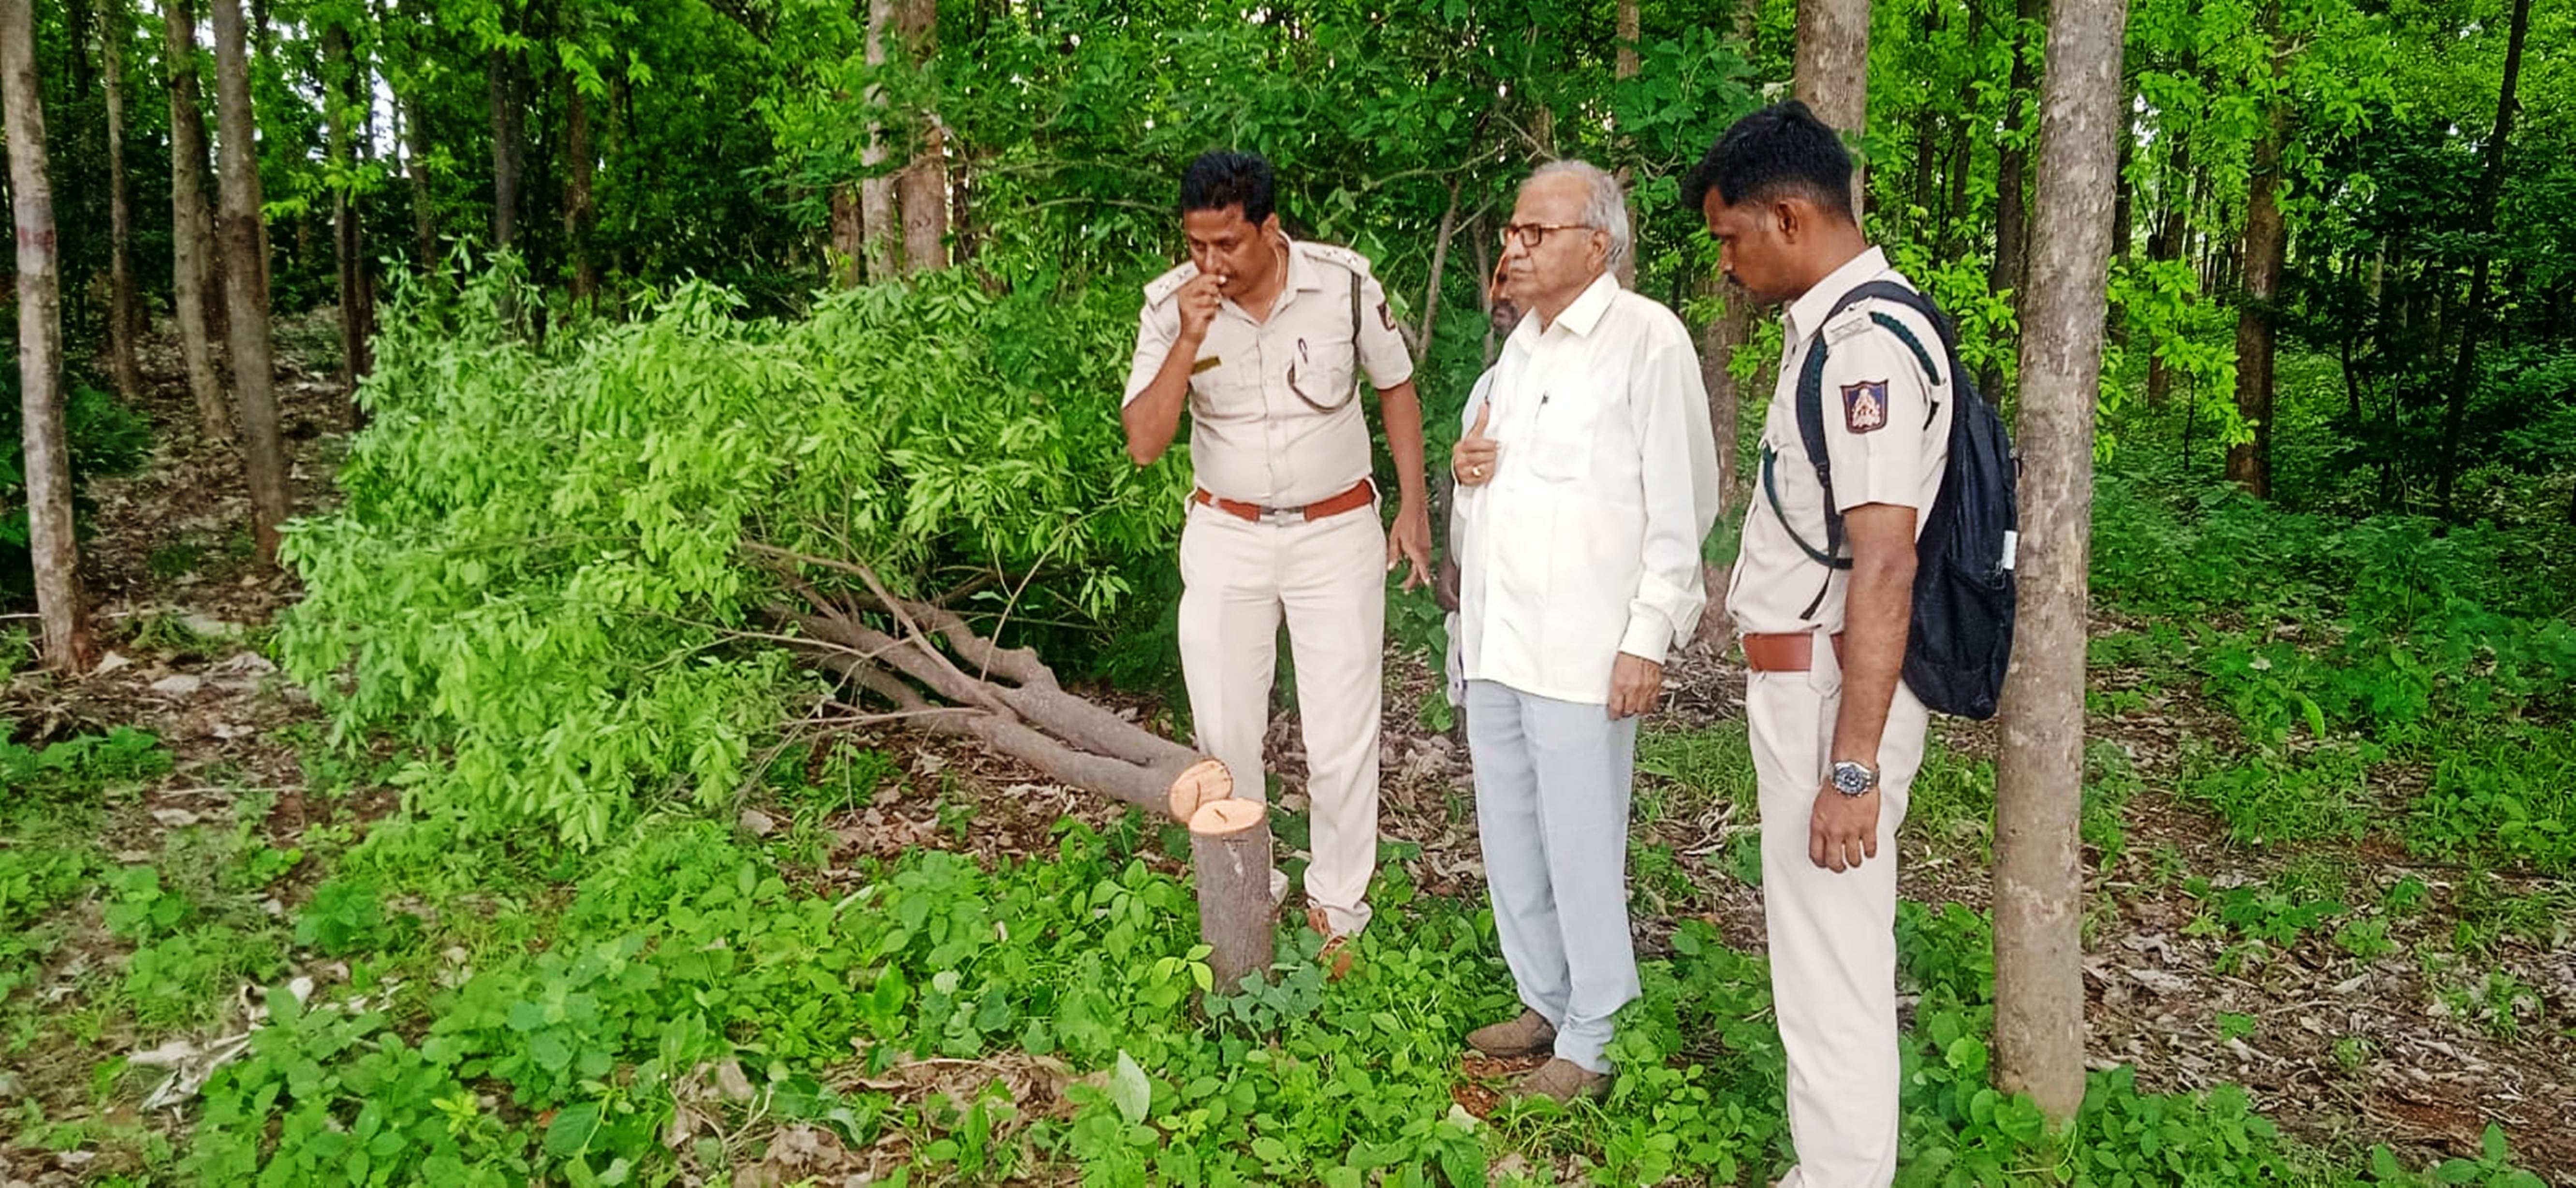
(1852, 779)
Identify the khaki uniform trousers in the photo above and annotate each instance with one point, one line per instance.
(1328, 578)
(1833, 936)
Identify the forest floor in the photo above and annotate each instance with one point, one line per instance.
(2430, 1001)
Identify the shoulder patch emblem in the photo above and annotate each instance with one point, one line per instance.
(1865, 406)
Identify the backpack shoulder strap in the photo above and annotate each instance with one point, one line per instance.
(1811, 399)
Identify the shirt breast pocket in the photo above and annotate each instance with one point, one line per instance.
(1230, 391)
(1563, 437)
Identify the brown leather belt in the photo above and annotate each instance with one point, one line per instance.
(1787, 651)
(1357, 497)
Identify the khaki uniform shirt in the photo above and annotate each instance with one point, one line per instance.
(1887, 436)
(1274, 409)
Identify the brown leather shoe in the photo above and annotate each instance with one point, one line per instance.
(1335, 956)
(1561, 1081)
(1528, 1035)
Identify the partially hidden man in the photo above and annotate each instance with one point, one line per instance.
(1262, 339)
(1587, 479)
(1836, 735)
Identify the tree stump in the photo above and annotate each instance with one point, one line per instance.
(1230, 852)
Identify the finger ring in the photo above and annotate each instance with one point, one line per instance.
(1479, 472)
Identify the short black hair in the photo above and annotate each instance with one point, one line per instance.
(1220, 178)
(1782, 149)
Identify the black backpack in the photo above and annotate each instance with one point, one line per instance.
(1961, 638)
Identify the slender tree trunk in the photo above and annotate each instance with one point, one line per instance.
(2166, 245)
(2012, 221)
(924, 182)
(508, 97)
(246, 282)
(194, 293)
(123, 309)
(880, 216)
(338, 89)
(1748, 25)
(52, 547)
(1963, 161)
(2464, 377)
(2249, 465)
(849, 237)
(1833, 71)
(579, 164)
(2039, 772)
(2124, 207)
(1624, 66)
(424, 218)
(1439, 264)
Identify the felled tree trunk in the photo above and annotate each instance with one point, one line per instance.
(936, 673)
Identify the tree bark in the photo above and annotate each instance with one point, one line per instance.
(2012, 222)
(1624, 65)
(849, 237)
(53, 549)
(880, 215)
(1439, 265)
(506, 94)
(579, 165)
(2039, 771)
(1230, 855)
(192, 237)
(339, 100)
(246, 283)
(424, 218)
(924, 181)
(2490, 184)
(1724, 335)
(1833, 71)
(2249, 464)
(123, 310)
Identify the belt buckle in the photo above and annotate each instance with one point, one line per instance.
(1283, 517)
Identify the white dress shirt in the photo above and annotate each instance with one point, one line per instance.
(1586, 541)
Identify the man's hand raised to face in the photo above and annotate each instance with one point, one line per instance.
(1198, 304)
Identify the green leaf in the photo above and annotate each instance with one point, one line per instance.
(1129, 1090)
(569, 1134)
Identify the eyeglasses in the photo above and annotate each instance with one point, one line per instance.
(1533, 234)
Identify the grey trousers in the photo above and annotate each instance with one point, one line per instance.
(1552, 785)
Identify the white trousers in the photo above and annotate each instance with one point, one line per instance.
(1328, 578)
(1833, 936)
(1552, 785)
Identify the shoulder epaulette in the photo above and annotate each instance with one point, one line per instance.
(1161, 288)
(1336, 254)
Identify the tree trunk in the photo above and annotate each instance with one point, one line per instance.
(924, 182)
(1724, 335)
(53, 549)
(1623, 66)
(339, 100)
(246, 282)
(1230, 855)
(849, 237)
(192, 238)
(2166, 245)
(122, 307)
(1833, 71)
(2012, 222)
(880, 217)
(509, 140)
(2249, 465)
(1439, 265)
(424, 218)
(2039, 771)
(1954, 219)
(2464, 377)
(579, 164)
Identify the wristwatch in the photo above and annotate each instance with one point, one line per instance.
(1854, 779)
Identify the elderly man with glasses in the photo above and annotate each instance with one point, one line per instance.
(1586, 481)
(1263, 340)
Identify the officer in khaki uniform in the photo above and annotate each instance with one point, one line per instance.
(1263, 339)
(1837, 737)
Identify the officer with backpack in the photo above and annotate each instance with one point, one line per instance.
(1853, 458)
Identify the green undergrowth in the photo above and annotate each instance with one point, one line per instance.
(668, 1003)
(2384, 676)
